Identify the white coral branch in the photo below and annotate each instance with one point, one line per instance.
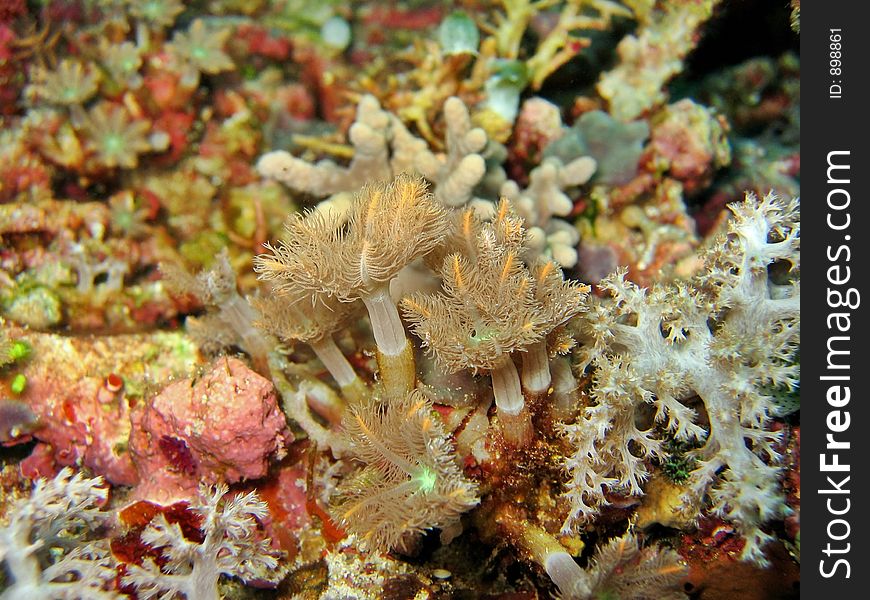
(231, 547)
(44, 544)
(725, 337)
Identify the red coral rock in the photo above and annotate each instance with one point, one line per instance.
(257, 40)
(10, 82)
(177, 453)
(297, 101)
(177, 125)
(287, 498)
(792, 483)
(715, 573)
(538, 124)
(12, 9)
(396, 18)
(690, 143)
(168, 90)
(224, 427)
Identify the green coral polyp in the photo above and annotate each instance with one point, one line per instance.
(19, 350)
(202, 48)
(19, 382)
(114, 137)
(425, 480)
(152, 10)
(458, 34)
(113, 143)
(480, 336)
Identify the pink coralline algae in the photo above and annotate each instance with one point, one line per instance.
(84, 424)
(222, 428)
(538, 124)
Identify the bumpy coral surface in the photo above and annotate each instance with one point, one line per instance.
(201, 431)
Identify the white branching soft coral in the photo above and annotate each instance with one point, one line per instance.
(728, 337)
(229, 320)
(44, 544)
(231, 547)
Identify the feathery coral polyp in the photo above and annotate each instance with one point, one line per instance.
(313, 321)
(230, 318)
(411, 481)
(113, 137)
(487, 308)
(491, 306)
(202, 49)
(71, 83)
(390, 225)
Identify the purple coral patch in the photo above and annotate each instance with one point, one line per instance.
(178, 454)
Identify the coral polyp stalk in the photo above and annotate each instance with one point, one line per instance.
(229, 319)
(237, 313)
(386, 325)
(335, 362)
(536, 368)
(565, 388)
(545, 550)
(395, 356)
(388, 227)
(512, 412)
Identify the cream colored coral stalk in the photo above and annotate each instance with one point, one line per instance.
(565, 388)
(313, 321)
(618, 569)
(515, 419)
(559, 300)
(229, 319)
(536, 368)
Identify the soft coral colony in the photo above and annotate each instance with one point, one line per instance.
(495, 334)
